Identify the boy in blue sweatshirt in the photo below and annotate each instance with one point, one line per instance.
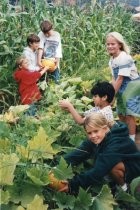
(114, 154)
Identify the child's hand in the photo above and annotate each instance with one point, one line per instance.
(65, 104)
(46, 68)
(57, 184)
(65, 187)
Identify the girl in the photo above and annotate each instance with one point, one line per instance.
(114, 154)
(27, 80)
(124, 78)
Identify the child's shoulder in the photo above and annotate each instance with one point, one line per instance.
(123, 58)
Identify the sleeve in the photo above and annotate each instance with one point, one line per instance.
(110, 67)
(94, 109)
(81, 154)
(108, 114)
(32, 78)
(31, 67)
(59, 48)
(42, 40)
(103, 165)
(126, 65)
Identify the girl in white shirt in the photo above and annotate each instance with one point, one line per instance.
(125, 79)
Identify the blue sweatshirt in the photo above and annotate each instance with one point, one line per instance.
(116, 147)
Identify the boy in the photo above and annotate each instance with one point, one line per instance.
(30, 52)
(103, 94)
(114, 154)
(50, 47)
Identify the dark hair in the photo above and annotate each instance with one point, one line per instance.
(46, 26)
(104, 89)
(32, 38)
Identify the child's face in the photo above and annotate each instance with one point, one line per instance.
(96, 134)
(34, 46)
(25, 64)
(49, 33)
(99, 101)
(113, 46)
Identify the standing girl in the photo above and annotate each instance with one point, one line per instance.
(124, 78)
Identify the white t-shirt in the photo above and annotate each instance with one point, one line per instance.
(126, 65)
(106, 111)
(51, 45)
(32, 58)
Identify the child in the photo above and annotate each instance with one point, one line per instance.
(30, 52)
(103, 94)
(50, 46)
(27, 80)
(124, 72)
(114, 154)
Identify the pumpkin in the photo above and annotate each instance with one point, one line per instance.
(49, 62)
(54, 182)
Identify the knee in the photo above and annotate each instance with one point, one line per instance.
(118, 170)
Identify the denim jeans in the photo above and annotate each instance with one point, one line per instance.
(31, 110)
(55, 76)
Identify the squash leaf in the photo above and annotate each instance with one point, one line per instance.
(37, 204)
(23, 194)
(22, 152)
(64, 201)
(7, 168)
(62, 171)
(83, 201)
(5, 146)
(104, 200)
(135, 187)
(4, 197)
(38, 175)
(40, 146)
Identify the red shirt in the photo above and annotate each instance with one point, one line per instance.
(28, 89)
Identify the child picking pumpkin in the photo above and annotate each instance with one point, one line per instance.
(114, 154)
(27, 81)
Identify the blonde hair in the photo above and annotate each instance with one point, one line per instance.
(96, 120)
(121, 41)
(20, 60)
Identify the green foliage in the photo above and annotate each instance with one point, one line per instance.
(31, 148)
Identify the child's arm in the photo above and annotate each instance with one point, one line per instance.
(44, 70)
(39, 56)
(117, 83)
(65, 104)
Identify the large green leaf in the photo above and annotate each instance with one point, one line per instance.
(126, 197)
(37, 204)
(64, 201)
(38, 175)
(83, 201)
(135, 187)
(104, 200)
(4, 197)
(41, 146)
(7, 167)
(62, 171)
(5, 146)
(23, 193)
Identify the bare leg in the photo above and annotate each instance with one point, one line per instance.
(131, 123)
(118, 173)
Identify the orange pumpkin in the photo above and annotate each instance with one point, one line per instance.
(50, 63)
(55, 183)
